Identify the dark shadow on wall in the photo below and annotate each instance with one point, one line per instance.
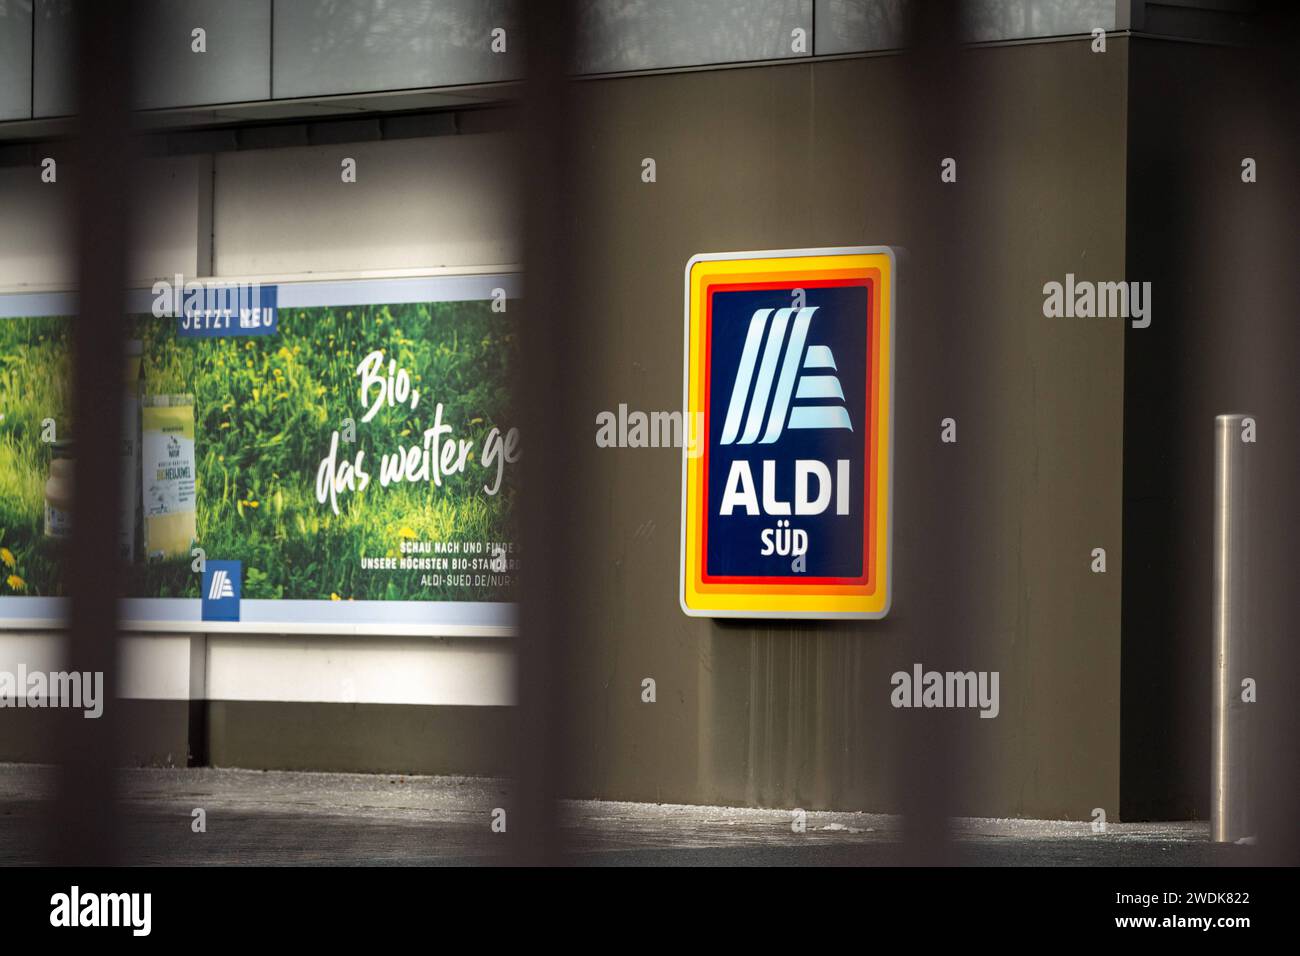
(1219, 253)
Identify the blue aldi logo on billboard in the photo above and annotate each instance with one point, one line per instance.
(786, 507)
(221, 587)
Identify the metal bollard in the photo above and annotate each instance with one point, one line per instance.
(1232, 756)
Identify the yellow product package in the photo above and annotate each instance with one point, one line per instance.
(167, 476)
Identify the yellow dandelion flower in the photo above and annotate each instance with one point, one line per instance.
(334, 597)
(406, 532)
(7, 557)
(15, 582)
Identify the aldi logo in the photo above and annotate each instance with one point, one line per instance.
(221, 586)
(789, 355)
(789, 372)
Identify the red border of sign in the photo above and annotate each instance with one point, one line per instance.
(869, 283)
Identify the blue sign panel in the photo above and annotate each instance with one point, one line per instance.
(218, 311)
(221, 584)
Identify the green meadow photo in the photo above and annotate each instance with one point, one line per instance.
(306, 467)
(34, 402)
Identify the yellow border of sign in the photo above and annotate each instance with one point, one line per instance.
(831, 601)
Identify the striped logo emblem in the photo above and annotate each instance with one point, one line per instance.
(793, 386)
(221, 586)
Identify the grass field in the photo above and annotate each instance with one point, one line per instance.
(34, 369)
(265, 409)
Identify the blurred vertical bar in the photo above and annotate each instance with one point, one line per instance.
(84, 824)
(1271, 335)
(930, 771)
(1232, 750)
(547, 399)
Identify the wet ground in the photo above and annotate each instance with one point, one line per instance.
(272, 817)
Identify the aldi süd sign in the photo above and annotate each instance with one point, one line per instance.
(789, 375)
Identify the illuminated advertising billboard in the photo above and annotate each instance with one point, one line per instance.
(306, 456)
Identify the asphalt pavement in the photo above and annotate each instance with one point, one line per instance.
(305, 819)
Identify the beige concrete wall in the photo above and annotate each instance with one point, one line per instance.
(442, 201)
(171, 232)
